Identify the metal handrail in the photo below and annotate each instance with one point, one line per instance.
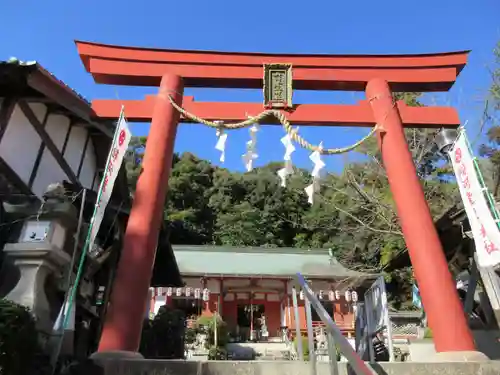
(335, 336)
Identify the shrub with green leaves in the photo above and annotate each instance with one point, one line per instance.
(217, 353)
(428, 333)
(207, 324)
(305, 346)
(19, 345)
(164, 336)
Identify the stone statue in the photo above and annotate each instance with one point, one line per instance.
(263, 327)
(321, 338)
(55, 191)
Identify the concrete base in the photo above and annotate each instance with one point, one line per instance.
(115, 355)
(166, 367)
(472, 356)
(424, 351)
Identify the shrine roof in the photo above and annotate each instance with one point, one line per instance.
(28, 79)
(261, 261)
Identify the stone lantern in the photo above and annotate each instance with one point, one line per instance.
(40, 252)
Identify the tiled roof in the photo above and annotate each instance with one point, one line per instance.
(36, 66)
(279, 262)
(28, 78)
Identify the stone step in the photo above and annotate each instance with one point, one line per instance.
(181, 367)
(248, 351)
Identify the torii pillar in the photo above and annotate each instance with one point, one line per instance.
(444, 311)
(123, 325)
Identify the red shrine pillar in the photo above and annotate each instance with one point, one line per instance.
(445, 313)
(123, 324)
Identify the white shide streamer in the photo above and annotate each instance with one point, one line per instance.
(250, 155)
(314, 187)
(221, 144)
(287, 170)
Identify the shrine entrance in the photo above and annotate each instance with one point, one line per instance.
(278, 76)
(249, 321)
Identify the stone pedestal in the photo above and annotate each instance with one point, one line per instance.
(34, 263)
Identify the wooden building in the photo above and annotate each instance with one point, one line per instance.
(49, 135)
(245, 284)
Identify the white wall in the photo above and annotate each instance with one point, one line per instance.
(49, 170)
(20, 145)
(88, 167)
(75, 145)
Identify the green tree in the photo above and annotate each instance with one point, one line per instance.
(186, 212)
(187, 208)
(491, 149)
(370, 235)
(354, 215)
(254, 210)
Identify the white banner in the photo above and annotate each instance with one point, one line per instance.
(377, 316)
(483, 226)
(119, 146)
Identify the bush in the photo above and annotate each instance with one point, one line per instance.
(190, 335)
(164, 336)
(428, 333)
(19, 346)
(203, 323)
(305, 346)
(217, 353)
(207, 324)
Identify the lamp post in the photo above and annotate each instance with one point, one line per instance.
(445, 140)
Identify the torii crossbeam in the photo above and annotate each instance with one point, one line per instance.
(378, 76)
(359, 115)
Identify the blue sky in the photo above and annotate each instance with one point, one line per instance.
(45, 31)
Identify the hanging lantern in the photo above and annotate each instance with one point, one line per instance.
(320, 295)
(197, 293)
(188, 292)
(206, 294)
(301, 295)
(169, 291)
(354, 296)
(331, 295)
(337, 295)
(347, 296)
(178, 292)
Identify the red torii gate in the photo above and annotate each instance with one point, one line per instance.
(171, 70)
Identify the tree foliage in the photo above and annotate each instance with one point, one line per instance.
(491, 149)
(354, 215)
(19, 346)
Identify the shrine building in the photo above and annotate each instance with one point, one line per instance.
(245, 284)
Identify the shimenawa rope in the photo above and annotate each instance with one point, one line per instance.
(281, 118)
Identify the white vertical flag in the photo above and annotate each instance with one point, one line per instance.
(119, 146)
(483, 226)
